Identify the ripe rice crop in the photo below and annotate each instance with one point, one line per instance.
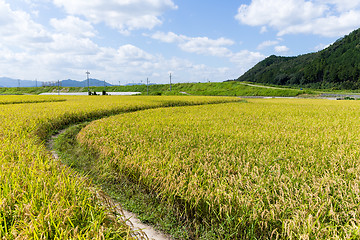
(28, 99)
(41, 199)
(266, 169)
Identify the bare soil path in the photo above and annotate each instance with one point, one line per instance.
(144, 231)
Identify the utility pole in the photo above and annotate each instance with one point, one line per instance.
(87, 74)
(58, 87)
(170, 82)
(147, 86)
(36, 82)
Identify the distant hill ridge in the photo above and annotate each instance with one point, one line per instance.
(337, 66)
(92, 82)
(10, 82)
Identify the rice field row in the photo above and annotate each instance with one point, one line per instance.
(266, 169)
(40, 198)
(12, 99)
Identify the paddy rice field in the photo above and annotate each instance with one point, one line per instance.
(260, 169)
(39, 197)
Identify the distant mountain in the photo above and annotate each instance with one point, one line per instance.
(10, 82)
(337, 66)
(92, 83)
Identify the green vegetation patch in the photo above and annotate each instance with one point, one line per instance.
(231, 88)
(336, 67)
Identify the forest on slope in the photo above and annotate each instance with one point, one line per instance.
(336, 67)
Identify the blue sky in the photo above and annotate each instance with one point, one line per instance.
(127, 41)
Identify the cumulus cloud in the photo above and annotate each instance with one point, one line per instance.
(122, 15)
(330, 26)
(169, 37)
(263, 29)
(267, 44)
(246, 59)
(278, 13)
(28, 50)
(341, 5)
(69, 46)
(243, 60)
(281, 49)
(206, 46)
(321, 47)
(74, 26)
(18, 29)
(199, 45)
(130, 53)
(322, 17)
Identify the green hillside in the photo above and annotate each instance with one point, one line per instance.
(336, 67)
(231, 88)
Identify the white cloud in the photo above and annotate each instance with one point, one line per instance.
(68, 44)
(278, 13)
(169, 37)
(66, 48)
(281, 49)
(263, 29)
(74, 26)
(123, 15)
(333, 26)
(206, 46)
(28, 50)
(267, 44)
(215, 47)
(199, 45)
(130, 53)
(321, 17)
(341, 5)
(18, 29)
(321, 47)
(246, 59)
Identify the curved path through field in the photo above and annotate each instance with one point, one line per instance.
(144, 231)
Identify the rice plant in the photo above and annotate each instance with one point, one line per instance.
(40, 198)
(266, 169)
